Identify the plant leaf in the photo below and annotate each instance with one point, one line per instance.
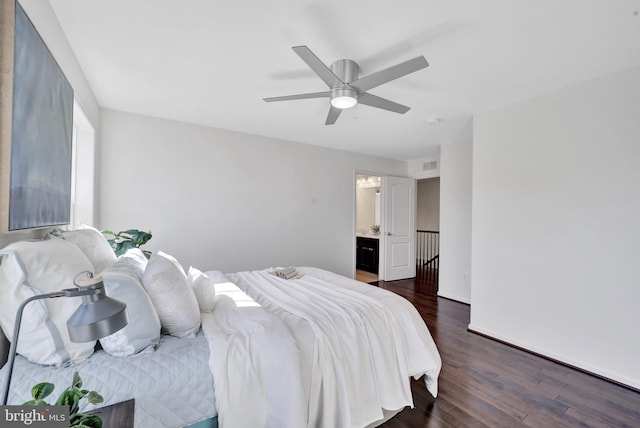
(35, 403)
(120, 248)
(138, 236)
(85, 420)
(94, 397)
(69, 398)
(77, 382)
(122, 241)
(41, 390)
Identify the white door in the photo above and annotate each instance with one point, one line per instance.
(399, 228)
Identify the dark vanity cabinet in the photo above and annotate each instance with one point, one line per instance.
(367, 254)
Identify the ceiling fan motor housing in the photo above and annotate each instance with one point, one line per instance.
(344, 96)
(344, 92)
(346, 70)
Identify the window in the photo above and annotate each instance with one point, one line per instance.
(83, 169)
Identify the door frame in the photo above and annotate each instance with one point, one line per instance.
(354, 184)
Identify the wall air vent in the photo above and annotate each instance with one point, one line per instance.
(429, 166)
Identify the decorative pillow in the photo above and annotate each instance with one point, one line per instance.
(93, 244)
(123, 281)
(40, 267)
(204, 289)
(172, 296)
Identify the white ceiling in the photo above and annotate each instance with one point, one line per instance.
(211, 62)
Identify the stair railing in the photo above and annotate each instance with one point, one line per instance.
(428, 249)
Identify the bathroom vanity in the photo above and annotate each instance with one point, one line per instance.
(367, 250)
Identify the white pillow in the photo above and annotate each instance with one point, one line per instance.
(204, 289)
(172, 296)
(94, 245)
(40, 267)
(123, 281)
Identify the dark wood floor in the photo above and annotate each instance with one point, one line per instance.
(485, 383)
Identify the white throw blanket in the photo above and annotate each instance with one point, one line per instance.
(255, 364)
(344, 351)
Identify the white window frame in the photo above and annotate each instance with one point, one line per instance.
(82, 170)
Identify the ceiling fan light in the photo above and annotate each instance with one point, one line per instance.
(343, 102)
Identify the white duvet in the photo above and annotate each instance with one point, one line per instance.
(319, 351)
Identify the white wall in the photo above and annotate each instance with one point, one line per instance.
(421, 168)
(455, 221)
(224, 200)
(428, 202)
(556, 232)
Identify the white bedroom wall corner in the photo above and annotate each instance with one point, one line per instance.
(555, 210)
(455, 221)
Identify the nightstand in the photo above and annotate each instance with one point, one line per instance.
(119, 415)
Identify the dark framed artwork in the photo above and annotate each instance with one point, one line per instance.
(36, 167)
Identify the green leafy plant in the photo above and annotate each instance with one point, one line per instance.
(127, 239)
(375, 228)
(70, 397)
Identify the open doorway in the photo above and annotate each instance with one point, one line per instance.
(367, 227)
(428, 230)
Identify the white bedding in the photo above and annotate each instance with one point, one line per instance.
(345, 351)
(319, 351)
(172, 386)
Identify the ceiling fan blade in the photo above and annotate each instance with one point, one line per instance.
(383, 103)
(333, 115)
(318, 67)
(372, 80)
(299, 96)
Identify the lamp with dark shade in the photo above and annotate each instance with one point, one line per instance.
(97, 316)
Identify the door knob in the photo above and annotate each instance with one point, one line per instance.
(389, 233)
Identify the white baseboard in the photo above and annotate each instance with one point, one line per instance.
(454, 297)
(563, 359)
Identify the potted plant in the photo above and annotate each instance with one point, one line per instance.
(127, 239)
(70, 397)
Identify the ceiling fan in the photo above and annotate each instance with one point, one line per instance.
(346, 89)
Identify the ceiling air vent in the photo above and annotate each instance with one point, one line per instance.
(431, 165)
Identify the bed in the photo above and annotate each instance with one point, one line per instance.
(320, 350)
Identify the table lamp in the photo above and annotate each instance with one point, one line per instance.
(96, 317)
